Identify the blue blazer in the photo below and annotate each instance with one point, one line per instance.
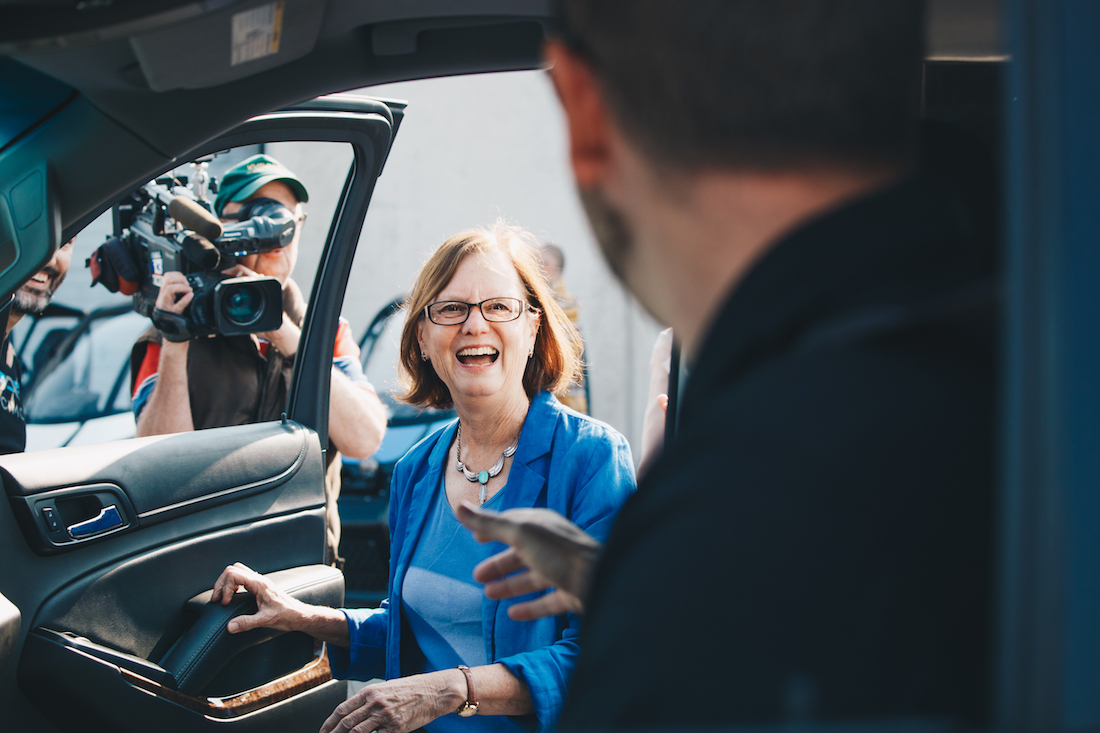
(565, 461)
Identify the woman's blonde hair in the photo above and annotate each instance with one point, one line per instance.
(557, 357)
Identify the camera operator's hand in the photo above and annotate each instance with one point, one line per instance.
(175, 293)
(169, 407)
(287, 337)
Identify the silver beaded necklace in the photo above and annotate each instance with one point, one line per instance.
(482, 477)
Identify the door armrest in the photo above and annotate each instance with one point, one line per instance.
(208, 646)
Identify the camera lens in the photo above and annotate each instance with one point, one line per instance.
(244, 305)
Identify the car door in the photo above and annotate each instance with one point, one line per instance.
(107, 549)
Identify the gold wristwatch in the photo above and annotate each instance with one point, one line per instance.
(469, 707)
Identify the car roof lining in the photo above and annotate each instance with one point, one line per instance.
(359, 45)
(174, 121)
(118, 132)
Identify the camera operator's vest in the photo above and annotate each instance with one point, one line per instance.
(230, 383)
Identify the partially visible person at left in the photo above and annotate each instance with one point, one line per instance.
(486, 335)
(31, 298)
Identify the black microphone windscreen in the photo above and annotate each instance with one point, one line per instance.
(192, 216)
(200, 251)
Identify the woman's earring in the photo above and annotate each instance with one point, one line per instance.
(424, 355)
(531, 352)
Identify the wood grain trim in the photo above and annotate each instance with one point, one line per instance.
(314, 674)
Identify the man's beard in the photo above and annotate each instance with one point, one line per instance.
(27, 302)
(612, 233)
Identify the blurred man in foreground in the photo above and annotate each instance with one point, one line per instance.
(814, 544)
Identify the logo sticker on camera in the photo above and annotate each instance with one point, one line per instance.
(156, 263)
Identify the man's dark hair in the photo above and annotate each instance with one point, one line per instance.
(757, 83)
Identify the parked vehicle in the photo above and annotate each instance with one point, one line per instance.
(77, 390)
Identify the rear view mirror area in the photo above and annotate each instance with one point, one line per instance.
(30, 226)
(30, 215)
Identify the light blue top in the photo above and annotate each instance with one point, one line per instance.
(442, 604)
(565, 461)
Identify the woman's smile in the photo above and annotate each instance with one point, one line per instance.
(478, 356)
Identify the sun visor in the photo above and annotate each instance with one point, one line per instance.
(238, 41)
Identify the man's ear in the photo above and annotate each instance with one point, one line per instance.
(586, 113)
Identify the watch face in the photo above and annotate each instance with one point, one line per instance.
(467, 709)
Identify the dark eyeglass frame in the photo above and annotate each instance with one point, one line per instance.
(524, 308)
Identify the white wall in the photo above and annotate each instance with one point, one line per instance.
(472, 149)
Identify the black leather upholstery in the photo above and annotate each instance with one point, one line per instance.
(207, 646)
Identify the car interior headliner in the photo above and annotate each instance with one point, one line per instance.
(152, 79)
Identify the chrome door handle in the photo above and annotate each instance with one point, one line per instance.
(109, 518)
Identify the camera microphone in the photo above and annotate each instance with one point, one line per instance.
(199, 250)
(192, 216)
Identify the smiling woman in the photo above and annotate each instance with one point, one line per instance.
(486, 335)
(498, 265)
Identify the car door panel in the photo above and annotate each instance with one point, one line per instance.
(108, 616)
(195, 661)
(129, 592)
(115, 604)
(110, 697)
(205, 663)
(52, 490)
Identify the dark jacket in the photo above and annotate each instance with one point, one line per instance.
(815, 542)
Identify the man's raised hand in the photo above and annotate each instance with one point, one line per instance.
(550, 551)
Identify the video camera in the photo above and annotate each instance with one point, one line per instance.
(162, 227)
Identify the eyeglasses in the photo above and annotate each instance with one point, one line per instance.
(454, 312)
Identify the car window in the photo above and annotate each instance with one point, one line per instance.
(87, 385)
(92, 380)
(36, 340)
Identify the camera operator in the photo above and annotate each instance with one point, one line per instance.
(31, 298)
(234, 380)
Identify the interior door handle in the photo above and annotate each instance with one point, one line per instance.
(108, 518)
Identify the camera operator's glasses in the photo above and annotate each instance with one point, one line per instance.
(497, 310)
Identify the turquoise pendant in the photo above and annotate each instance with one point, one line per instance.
(483, 477)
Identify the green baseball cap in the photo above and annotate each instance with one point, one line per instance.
(248, 176)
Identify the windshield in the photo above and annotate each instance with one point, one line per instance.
(94, 379)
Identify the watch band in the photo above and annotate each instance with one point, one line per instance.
(469, 707)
